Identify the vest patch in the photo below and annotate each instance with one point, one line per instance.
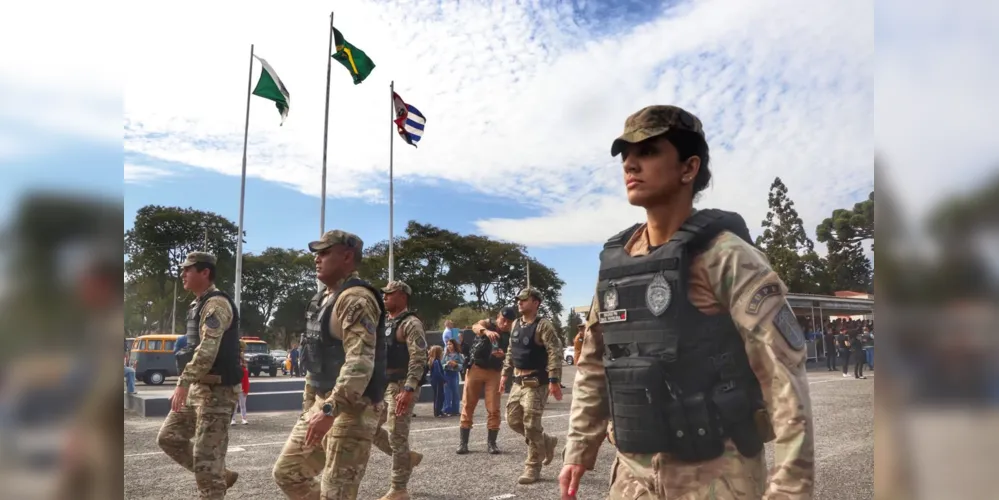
(212, 321)
(788, 326)
(617, 316)
(765, 291)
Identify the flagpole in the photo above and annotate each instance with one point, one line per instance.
(391, 255)
(326, 128)
(242, 190)
(326, 131)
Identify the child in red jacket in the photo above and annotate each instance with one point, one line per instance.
(244, 389)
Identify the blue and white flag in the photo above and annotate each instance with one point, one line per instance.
(408, 120)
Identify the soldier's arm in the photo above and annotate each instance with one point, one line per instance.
(589, 411)
(416, 340)
(553, 344)
(479, 328)
(748, 288)
(216, 317)
(357, 313)
(508, 359)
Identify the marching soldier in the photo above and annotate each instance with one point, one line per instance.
(535, 362)
(205, 396)
(406, 361)
(692, 352)
(344, 356)
(488, 352)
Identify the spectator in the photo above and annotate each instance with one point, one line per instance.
(830, 349)
(453, 364)
(437, 379)
(294, 360)
(450, 332)
(869, 346)
(179, 344)
(129, 377)
(244, 389)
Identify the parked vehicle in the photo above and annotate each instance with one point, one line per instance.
(151, 356)
(258, 357)
(567, 355)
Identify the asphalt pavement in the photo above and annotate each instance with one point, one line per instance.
(844, 434)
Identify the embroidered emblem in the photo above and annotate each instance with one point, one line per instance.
(658, 295)
(617, 316)
(212, 322)
(788, 326)
(762, 294)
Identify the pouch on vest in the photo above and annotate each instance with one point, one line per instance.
(737, 416)
(638, 401)
(695, 433)
(311, 349)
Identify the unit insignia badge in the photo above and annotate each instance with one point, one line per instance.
(610, 299)
(658, 295)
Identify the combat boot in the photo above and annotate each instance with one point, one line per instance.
(463, 446)
(230, 478)
(415, 458)
(530, 475)
(550, 442)
(395, 494)
(491, 442)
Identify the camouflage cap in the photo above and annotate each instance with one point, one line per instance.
(395, 286)
(337, 237)
(198, 258)
(652, 121)
(529, 292)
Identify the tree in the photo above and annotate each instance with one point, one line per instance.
(570, 328)
(849, 226)
(268, 279)
(463, 316)
(160, 240)
(847, 268)
(787, 246)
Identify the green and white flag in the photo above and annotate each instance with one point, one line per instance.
(270, 87)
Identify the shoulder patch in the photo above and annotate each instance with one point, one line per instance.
(761, 294)
(421, 342)
(787, 325)
(368, 325)
(353, 312)
(213, 322)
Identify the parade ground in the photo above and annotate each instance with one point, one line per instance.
(844, 444)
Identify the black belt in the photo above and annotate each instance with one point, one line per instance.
(396, 376)
(536, 375)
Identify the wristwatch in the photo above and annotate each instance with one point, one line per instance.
(408, 389)
(328, 409)
(553, 380)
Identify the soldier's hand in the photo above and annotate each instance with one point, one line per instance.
(502, 385)
(493, 336)
(568, 480)
(403, 400)
(178, 399)
(555, 390)
(319, 425)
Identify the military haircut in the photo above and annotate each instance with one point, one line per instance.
(201, 266)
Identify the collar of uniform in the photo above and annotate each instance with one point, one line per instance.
(404, 311)
(639, 243)
(210, 289)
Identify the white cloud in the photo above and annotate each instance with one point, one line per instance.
(513, 92)
(139, 174)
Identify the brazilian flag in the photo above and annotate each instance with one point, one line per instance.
(352, 58)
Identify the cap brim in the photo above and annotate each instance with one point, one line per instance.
(186, 264)
(319, 246)
(635, 137)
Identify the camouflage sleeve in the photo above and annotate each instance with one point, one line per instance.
(479, 328)
(357, 315)
(748, 288)
(216, 317)
(508, 359)
(589, 411)
(553, 344)
(416, 340)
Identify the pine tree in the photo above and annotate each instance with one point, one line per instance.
(787, 246)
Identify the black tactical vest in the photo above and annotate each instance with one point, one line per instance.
(226, 363)
(398, 352)
(679, 380)
(526, 353)
(323, 355)
(482, 349)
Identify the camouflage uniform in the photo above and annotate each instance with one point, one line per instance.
(526, 405)
(342, 455)
(205, 416)
(395, 441)
(729, 276)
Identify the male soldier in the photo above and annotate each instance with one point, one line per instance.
(406, 361)
(344, 358)
(209, 368)
(492, 338)
(535, 361)
(692, 350)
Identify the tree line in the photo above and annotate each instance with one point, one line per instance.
(463, 277)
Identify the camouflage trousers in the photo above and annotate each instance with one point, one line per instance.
(197, 436)
(524, 409)
(340, 458)
(728, 477)
(395, 440)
